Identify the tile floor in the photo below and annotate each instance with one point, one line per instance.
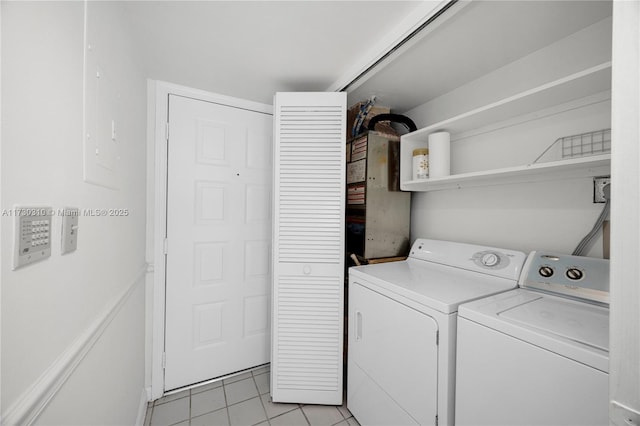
(241, 400)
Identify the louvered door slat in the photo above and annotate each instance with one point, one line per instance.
(308, 252)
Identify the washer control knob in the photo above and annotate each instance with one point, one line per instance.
(545, 271)
(575, 274)
(490, 259)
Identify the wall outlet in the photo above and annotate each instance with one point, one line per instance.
(598, 188)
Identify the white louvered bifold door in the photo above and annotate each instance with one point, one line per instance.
(308, 251)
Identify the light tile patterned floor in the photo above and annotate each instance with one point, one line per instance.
(242, 400)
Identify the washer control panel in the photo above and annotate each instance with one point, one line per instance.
(575, 276)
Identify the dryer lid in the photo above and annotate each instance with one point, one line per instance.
(432, 285)
(443, 274)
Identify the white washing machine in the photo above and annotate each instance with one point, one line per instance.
(538, 355)
(402, 328)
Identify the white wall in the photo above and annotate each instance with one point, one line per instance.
(52, 311)
(549, 215)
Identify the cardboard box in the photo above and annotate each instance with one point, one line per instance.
(352, 113)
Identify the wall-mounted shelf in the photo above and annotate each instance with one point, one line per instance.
(577, 167)
(565, 90)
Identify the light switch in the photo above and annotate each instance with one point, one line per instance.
(32, 232)
(69, 229)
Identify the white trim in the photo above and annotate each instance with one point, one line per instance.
(35, 399)
(150, 227)
(624, 352)
(142, 408)
(158, 94)
(164, 88)
(1, 3)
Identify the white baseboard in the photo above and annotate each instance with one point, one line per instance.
(26, 409)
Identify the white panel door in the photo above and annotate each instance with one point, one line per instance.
(308, 282)
(218, 239)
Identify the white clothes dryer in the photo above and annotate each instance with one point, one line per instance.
(537, 355)
(402, 328)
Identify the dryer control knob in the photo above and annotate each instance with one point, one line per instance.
(546, 271)
(490, 259)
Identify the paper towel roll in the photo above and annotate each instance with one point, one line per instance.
(439, 154)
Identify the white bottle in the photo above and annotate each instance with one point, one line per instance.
(420, 163)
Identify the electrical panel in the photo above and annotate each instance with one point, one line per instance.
(32, 240)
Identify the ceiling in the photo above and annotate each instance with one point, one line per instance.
(484, 36)
(252, 49)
